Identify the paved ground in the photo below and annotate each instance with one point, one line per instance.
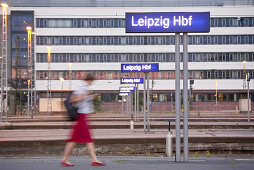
(110, 141)
(107, 134)
(126, 125)
(47, 137)
(152, 115)
(127, 163)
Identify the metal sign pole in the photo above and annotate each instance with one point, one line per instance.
(135, 102)
(122, 105)
(131, 104)
(171, 97)
(177, 95)
(185, 95)
(144, 101)
(148, 103)
(248, 84)
(127, 104)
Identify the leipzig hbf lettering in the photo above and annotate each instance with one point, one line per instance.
(161, 22)
(150, 67)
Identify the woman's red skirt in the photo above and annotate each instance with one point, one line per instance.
(81, 130)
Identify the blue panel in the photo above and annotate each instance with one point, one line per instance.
(148, 67)
(248, 76)
(167, 22)
(126, 89)
(131, 80)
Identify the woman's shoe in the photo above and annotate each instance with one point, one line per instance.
(66, 164)
(98, 164)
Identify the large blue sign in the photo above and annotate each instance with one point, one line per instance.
(131, 80)
(167, 22)
(149, 67)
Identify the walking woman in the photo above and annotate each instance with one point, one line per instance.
(81, 130)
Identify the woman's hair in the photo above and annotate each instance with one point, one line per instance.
(89, 76)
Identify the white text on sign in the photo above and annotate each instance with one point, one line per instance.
(131, 80)
(161, 22)
(137, 67)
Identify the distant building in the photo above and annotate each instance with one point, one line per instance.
(91, 36)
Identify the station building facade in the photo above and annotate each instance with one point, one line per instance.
(92, 39)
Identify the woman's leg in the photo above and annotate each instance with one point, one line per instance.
(91, 150)
(68, 148)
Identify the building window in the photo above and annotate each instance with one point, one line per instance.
(141, 57)
(138, 40)
(109, 75)
(120, 22)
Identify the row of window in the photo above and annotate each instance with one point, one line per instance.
(142, 57)
(202, 97)
(116, 75)
(143, 40)
(199, 97)
(120, 22)
(211, 97)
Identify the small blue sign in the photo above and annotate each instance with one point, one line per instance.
(126, 89)
(167, 22)
(131, 80)
(149, 67)
(248, 76)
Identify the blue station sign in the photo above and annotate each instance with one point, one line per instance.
(126, 89)
(131, 80)
(148, 67)
(167, 22)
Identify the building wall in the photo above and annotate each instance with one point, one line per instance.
(119, 13)
(108, 85)
(57, 105)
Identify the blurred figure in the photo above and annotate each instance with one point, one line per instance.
(83, 99)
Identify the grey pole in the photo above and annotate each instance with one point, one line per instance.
(177, 95)
(185, 95)
(127, 104)
(171, 96)
(131, 112)
(144, 101)
(148, 103)
(28, 99)
(132, 106)
(248, 83)
(131, 103)
(122, 105)
(135, 103)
